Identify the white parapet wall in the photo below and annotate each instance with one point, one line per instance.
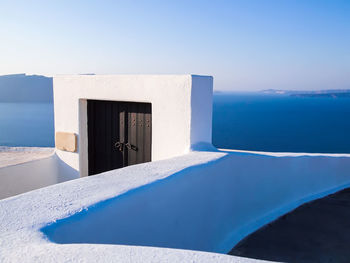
(23, 169)
(33, 174)
(181, 110)
(200, 201)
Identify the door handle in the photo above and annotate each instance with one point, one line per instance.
(120, 146)
(131, 147)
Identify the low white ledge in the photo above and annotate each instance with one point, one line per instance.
(204, 201)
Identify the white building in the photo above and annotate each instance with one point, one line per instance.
(159, 116)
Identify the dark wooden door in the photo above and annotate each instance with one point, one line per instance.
(119, 134)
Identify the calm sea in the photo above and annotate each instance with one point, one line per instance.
(240, 121)
(281, 123)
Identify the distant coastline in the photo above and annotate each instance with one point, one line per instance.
(336, 93)
(22, 88)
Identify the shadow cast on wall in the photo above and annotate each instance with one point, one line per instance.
(318, 231)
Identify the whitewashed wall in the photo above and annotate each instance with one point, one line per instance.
(24, 177)
(206, 206)
(181, 109)
(202, 201)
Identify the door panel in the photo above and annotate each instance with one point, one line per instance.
(132, 152)
(139, 133)
(123, 124)
(122, 131)
(116, 156)
(147, 140)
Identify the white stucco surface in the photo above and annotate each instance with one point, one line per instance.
(23, 169)
(181, 109)
(17, 155)
(199, 201)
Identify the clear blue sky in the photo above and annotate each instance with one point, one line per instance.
(244, 44)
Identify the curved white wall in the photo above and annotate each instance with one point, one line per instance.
(209, 206)
(24, 177)
(202, 200)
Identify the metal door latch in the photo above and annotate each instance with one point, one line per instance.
(120, 146)
(131, 147)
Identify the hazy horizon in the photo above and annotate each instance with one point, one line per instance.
(246, 45)
(215, 89)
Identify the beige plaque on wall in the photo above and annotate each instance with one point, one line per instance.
(66, 141)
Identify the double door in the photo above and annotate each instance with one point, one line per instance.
(119, 134)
